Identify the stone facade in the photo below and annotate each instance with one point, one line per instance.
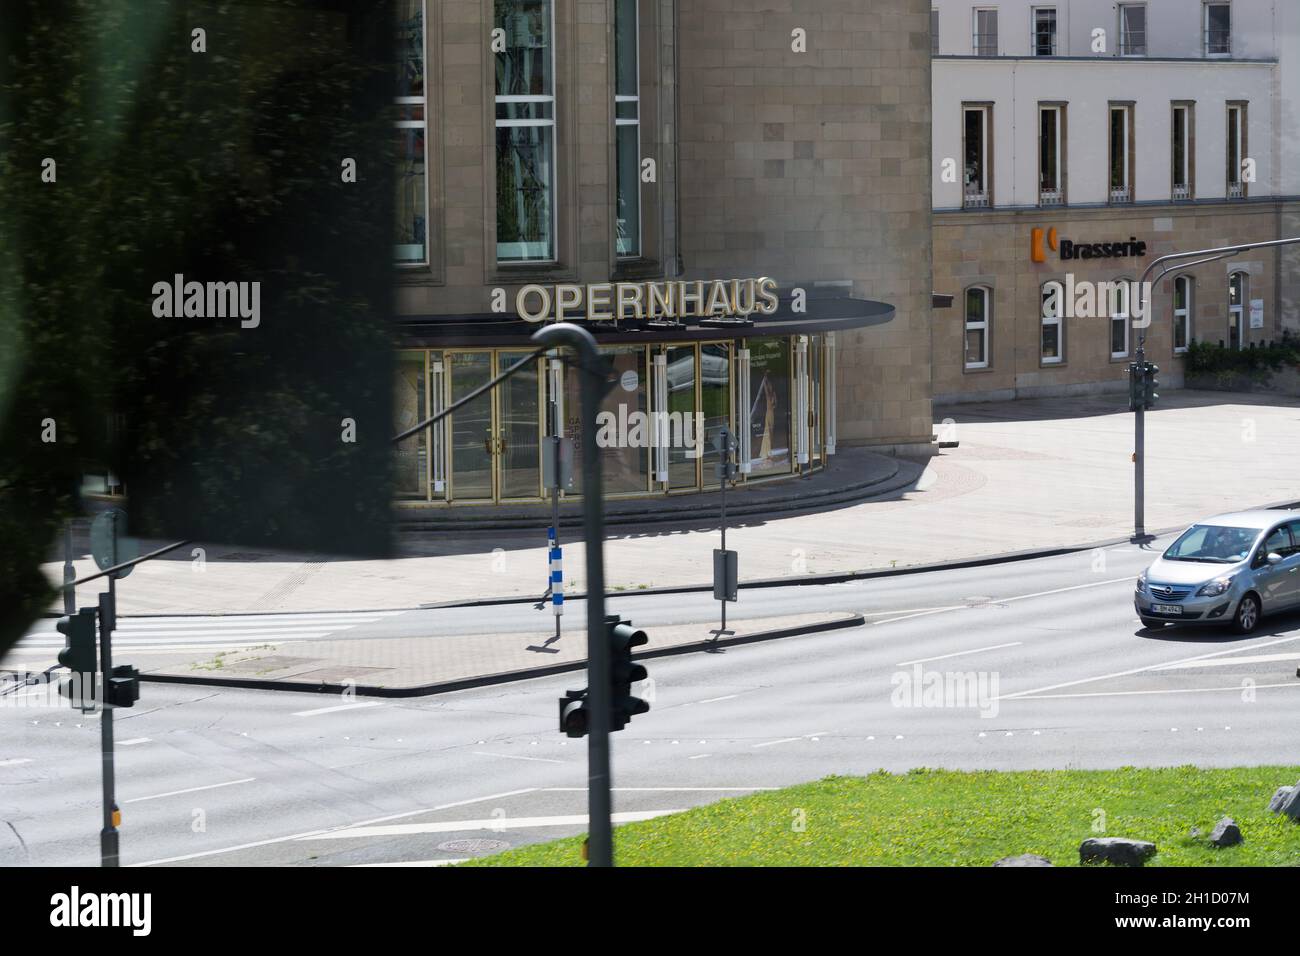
(992, 248)
(805, 166)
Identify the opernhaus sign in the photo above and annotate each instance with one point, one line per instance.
(614, 301)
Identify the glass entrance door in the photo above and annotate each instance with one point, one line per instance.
(471, 431)
(517, 446)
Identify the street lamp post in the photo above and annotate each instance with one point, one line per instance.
(1169, 262)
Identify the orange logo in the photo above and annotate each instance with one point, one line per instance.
(1036, 251)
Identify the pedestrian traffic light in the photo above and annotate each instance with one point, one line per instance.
(1149, 385)
(623, 673)
(78, 656)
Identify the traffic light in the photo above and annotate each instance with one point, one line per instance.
(123, 686)
(78, 656)
(623, 673)
(1149, 385)
(573, 713)
(1134, 386)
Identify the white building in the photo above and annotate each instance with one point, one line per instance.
(1172, 123)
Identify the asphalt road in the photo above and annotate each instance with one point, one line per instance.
(1061, 674)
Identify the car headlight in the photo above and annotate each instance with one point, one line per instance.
(1217, 586)
(1142, 581)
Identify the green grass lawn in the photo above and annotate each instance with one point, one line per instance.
(949, 818)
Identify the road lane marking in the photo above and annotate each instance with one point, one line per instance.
(1008, 600)
(944, 657)
(176, 793)
(308, 833)
(133, 741)
(484, 753)
(15, 762)
(1148, 667)
(494, 824)
(1177, 690)
(1228, 661)
(786, 740)
(335, 709)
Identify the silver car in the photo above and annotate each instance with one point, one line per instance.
(1230, 569)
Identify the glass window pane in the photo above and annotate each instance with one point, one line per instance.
(524, 66)
(629, 192)
(410, 214)
(1051, 341)
(622, 425)
(409, 409)
(974, 346)
(1118, 329)
(410, 48)
(975, 149)
(680, 421)
(769, 406)
(1047, 149)
(625, 51)
(525, 178)
(715, 402)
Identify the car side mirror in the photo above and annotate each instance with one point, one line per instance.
(1273, 557)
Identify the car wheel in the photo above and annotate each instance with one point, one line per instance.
(1152, 623)
(1247, 616)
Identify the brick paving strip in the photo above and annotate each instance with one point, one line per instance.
(414, 666)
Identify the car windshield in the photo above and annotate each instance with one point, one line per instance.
(1213, 543)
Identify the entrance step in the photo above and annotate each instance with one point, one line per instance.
(854, 475)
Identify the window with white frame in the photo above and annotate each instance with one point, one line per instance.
(411, 219)
(627, 128)
(1052, 339)
(525, 131)
(1132, 29)
(975, 150)
(1218, 29)
(1051, 151)
(1236, 188)
(979, 301)
(1181, 152)
(1237, 285)
(1044, 31)
(1118, 294)
(1182, 313)
(1121, 153)
(984, 41)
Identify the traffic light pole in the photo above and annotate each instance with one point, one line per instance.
(1169, 262)
(593, 382)
(108, 836)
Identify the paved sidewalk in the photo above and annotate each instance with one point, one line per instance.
(1029, 474)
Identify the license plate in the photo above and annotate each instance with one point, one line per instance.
(1167, 608)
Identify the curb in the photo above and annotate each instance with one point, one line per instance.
(505, 677)
(839, 577)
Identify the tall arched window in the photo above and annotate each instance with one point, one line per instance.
(1237, 291)
(1182, 313)
(979, 319)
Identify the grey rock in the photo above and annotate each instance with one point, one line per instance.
(1226, 833)
(1280, 797)
(1119, 851)
(1024, 859)
(1291, 806)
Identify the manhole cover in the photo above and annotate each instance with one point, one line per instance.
(473, 846)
